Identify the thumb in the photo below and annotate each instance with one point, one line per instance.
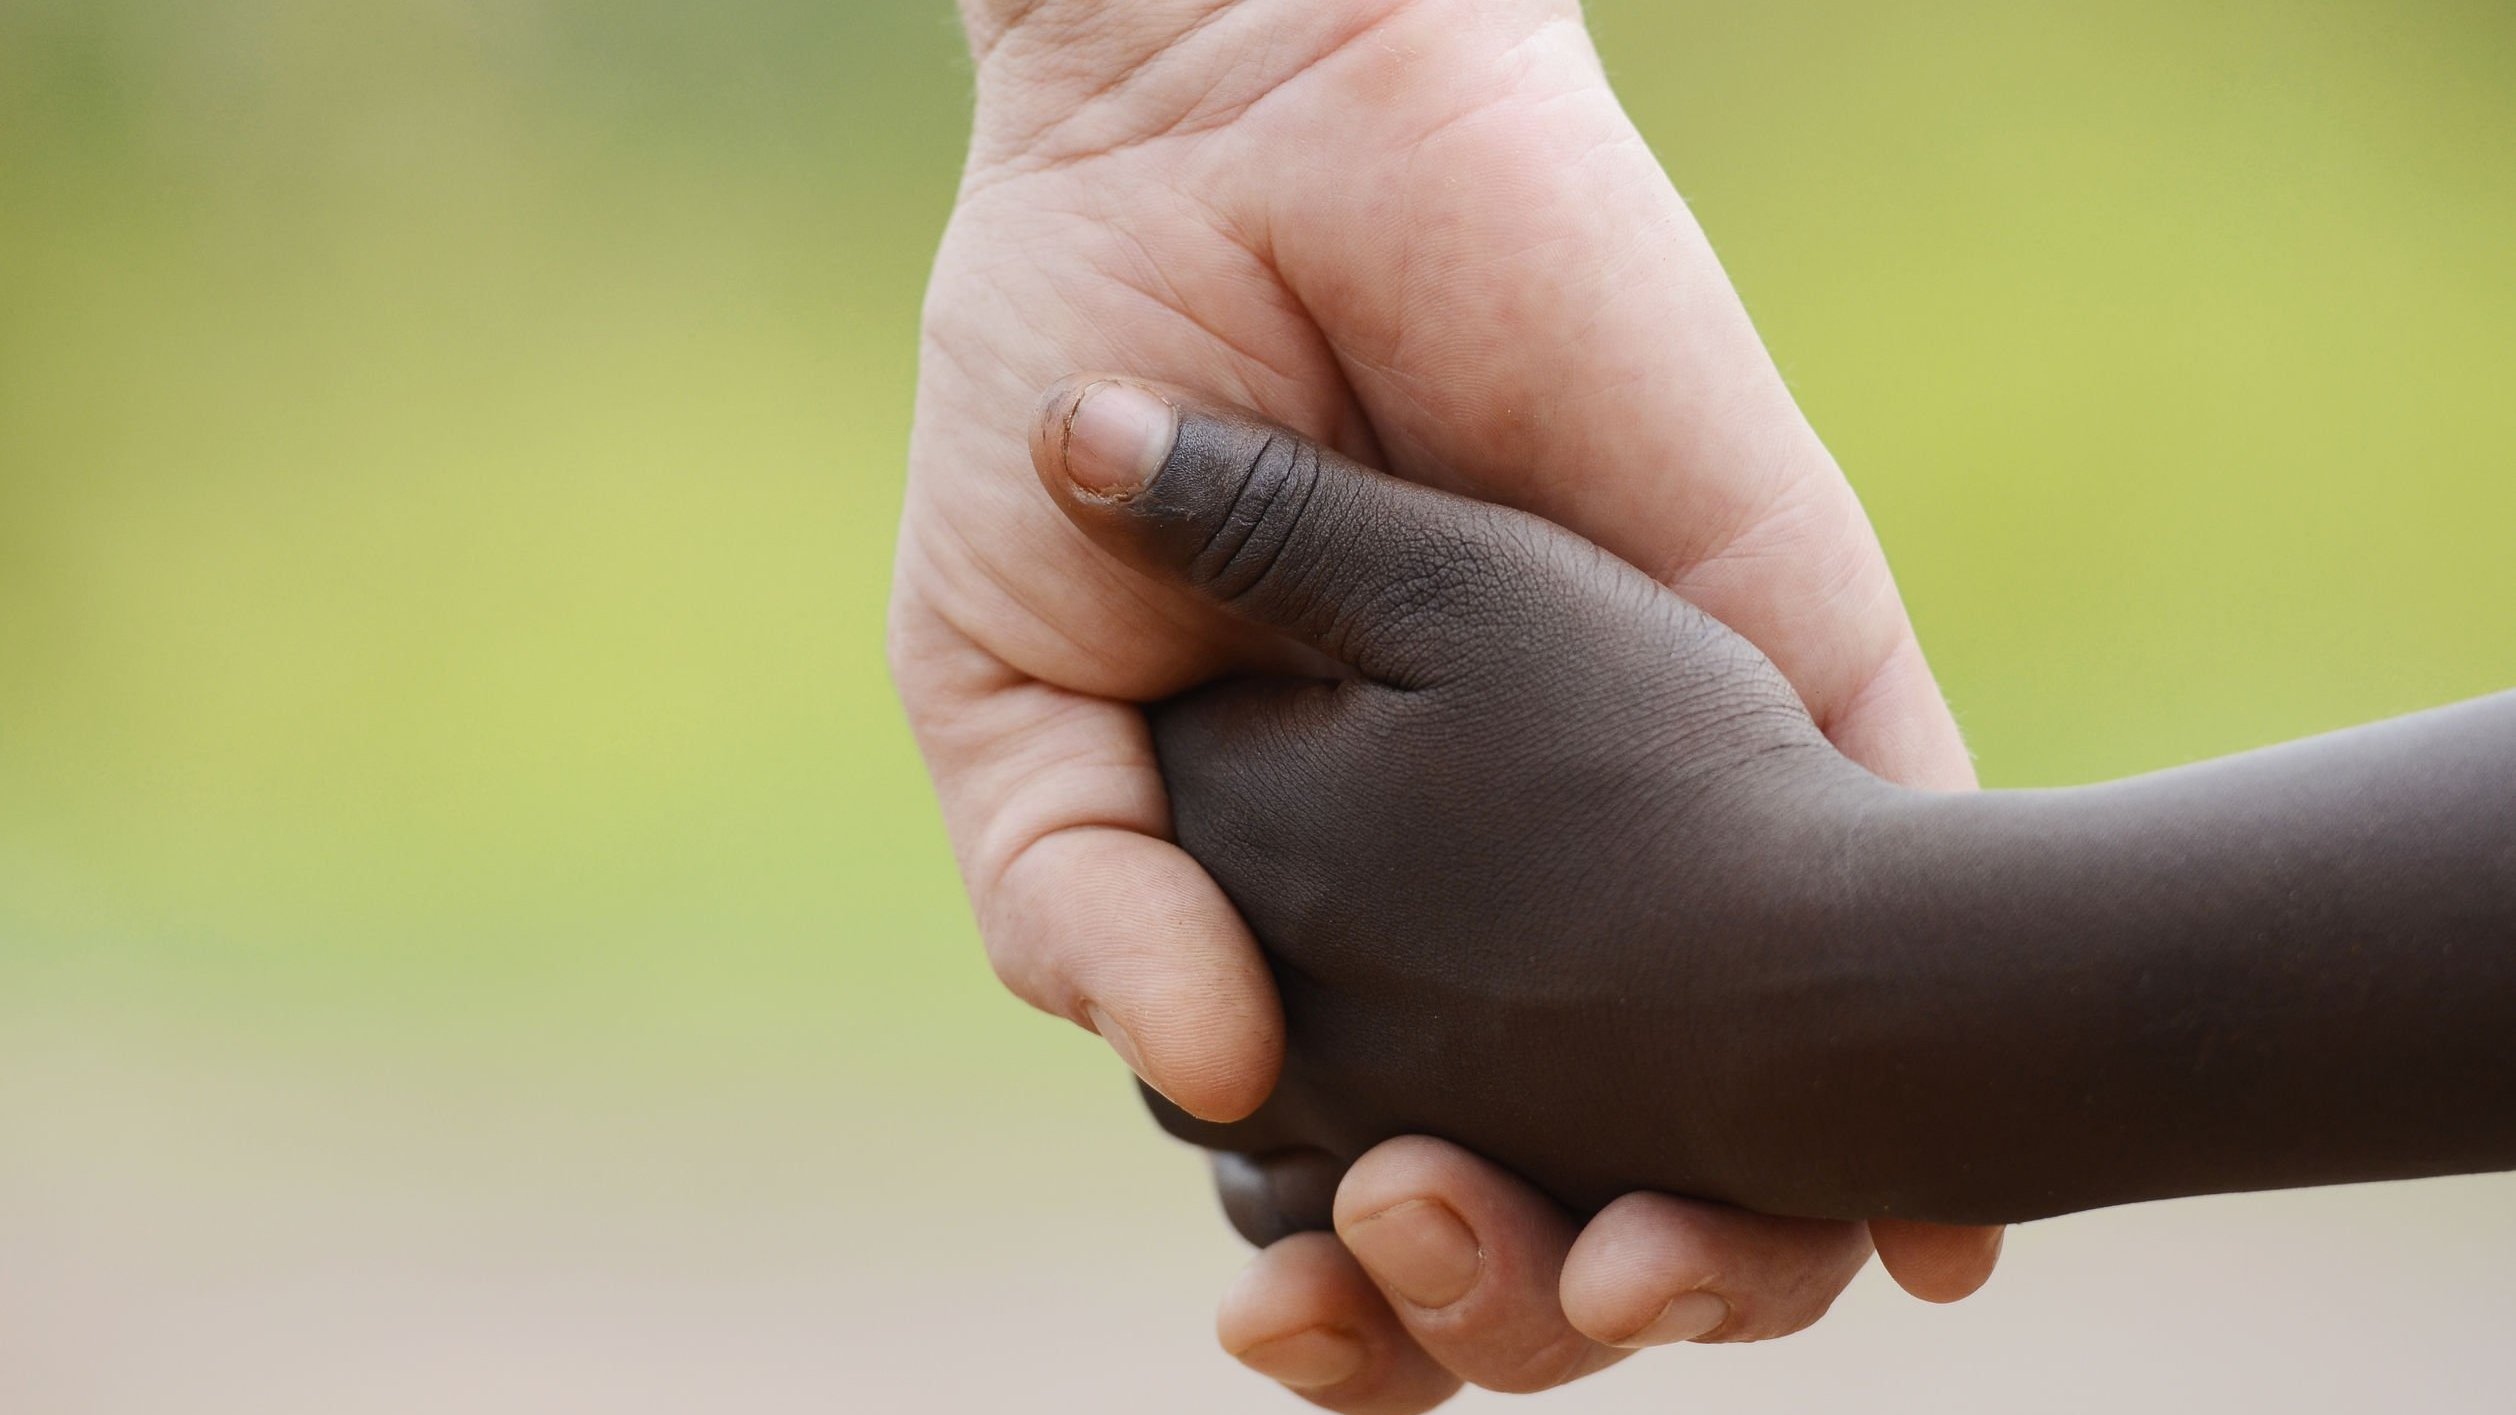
(1393, 579)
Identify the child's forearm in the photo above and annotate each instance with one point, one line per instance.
(1564, 872)
(2296, 966)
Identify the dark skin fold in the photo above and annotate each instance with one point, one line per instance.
(1563, 872)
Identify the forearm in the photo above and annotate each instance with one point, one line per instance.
(2296, 966)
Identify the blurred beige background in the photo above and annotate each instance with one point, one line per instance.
(473, 932)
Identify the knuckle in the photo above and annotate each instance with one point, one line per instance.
(1020, 970)
(1554, 1362)
(914, 642)
(1255, 521)
(1273, 1195)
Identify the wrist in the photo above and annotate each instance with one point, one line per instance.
(1809, 989)
(1061, 80)
(1928, 1025)
(2029, 1038)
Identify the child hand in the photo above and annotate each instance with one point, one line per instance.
(1547, 874)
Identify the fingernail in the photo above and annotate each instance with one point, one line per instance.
(1117, 437)
(1117, 1038)
(1688, 1316)
(1307, 1360)
(1420, 1249)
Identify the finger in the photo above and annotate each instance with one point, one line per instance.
(1087, 910)
(1269, 1197)
(1470, 1258)
(1271, 1181)
(1303, 1315)
(1934, 1262)
(1127, 936)
(1651, 1270)
(1392, 579)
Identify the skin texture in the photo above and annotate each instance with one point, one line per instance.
(1424, 232)
(1559, 868)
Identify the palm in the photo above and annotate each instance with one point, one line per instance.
(1477, 272)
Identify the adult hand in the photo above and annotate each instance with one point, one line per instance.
(1424, 233)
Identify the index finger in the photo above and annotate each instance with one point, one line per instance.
(1088, 911)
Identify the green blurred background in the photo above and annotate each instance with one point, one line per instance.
(449, 791)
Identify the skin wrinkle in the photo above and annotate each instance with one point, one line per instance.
(1182, 127)
(1290, 521)
(1721, 544)
(1073, 1008)
(999, 851)
(1126, 74)
(988, 570)
(972, 697)
(1773, 539)
(1867, 687)
(1239, 498)
(1072, 24)
(1565, 1357)
(985, 24)
(1011, 833)
(1768, 533)
(1176, 305)
(1175, 301)
(1025, 154)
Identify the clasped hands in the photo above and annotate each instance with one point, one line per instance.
(1424, 234)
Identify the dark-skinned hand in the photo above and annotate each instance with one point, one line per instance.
(1551, 864)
